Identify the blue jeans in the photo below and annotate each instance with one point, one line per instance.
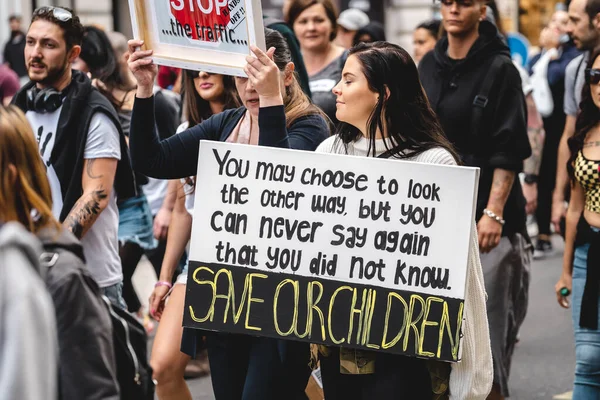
(115, 295)
(587, 341)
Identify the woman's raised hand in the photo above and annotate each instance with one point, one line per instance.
(142, 67)
(264, 76)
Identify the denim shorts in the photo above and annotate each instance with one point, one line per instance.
(135, 223)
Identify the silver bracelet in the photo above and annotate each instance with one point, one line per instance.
(493, 216)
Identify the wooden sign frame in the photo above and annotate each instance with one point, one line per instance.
(214, 57)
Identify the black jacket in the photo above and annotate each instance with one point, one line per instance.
(87, 368)
(82, 101)
(177, 157)
(500, 140)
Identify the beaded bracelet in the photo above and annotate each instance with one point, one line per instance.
(493, 216)
(163, 283)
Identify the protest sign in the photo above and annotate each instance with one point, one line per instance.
(209, 35)
(350, 251)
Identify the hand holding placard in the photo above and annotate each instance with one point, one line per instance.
(142, 67)
(264, 76)
(369, 254)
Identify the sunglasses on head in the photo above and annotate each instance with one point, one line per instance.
(592, 76)
(460, 3)
(59, 13)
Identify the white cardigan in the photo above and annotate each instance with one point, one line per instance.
(471, 378)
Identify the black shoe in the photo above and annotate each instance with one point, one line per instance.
(543, 248)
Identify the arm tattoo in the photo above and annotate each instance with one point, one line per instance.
(88, 169)
(536, 140)
(501, 186)
(85, 212)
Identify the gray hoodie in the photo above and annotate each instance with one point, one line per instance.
(28, 344)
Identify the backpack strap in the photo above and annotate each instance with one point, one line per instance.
(48, 259)
(481, 100)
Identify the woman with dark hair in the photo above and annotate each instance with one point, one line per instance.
(204, 95)
(275, 106)
(425, 37)
(315, 25)
(581, 257)
(385, 113)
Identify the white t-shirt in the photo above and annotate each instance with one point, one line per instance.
(100, 243)
(155, 191)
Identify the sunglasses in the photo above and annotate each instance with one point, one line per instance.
(59, 13)
(459, 3)
(592, 76)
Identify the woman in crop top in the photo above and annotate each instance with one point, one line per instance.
(581, 262)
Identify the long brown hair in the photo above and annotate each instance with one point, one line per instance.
(295, 102)
(195, 108)
(25, 194)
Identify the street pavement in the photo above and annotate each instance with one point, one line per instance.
(544, 359)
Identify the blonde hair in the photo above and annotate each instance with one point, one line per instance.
(25, 194)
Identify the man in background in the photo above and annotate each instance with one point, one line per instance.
(14, 49)
(349, 22)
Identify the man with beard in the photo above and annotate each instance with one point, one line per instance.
(475, 90)
(80, 141)
(584, 29)
(13, 50)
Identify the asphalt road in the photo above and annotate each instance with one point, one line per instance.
(544, 358)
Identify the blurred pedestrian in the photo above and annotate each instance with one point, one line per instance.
(349, 22)
(554, 123)
(425, 37)
(372, 32)
(315, 25)
(476, 92)
(582, 241)
(385, 113)
(87, 366)
(584, 29)
(160, 199)
(241, 366)
(86, 154)
(14, 48)
(204, 96)
(28, 343)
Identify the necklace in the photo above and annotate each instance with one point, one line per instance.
(591, 144)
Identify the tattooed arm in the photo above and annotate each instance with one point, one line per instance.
(531, 166)
(489, 230)
(97, 182)
(536, 133)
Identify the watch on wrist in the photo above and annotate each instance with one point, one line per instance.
(530, 179)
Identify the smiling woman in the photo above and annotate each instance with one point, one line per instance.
(315, 25)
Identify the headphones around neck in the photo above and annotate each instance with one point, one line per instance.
(44, 100)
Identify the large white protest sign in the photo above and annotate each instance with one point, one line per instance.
(209, 35)
(352, 251)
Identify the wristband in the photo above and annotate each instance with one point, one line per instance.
(163, 283)
(493, 216)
